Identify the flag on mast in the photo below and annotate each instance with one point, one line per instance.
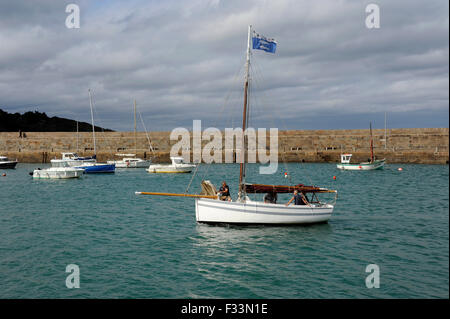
(260, 42)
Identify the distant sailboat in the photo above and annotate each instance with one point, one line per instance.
(130, 160)
(209, 209)
(372, 164)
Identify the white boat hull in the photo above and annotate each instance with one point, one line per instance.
(58, 173)
(170, 169)
(362, 166)
(250, 212)
(137, 164)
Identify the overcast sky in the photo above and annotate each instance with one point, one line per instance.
(184, 60)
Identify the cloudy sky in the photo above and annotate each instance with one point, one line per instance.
(184, 60)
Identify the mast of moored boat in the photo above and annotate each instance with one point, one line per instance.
(92, 119)
(135, 139)
(244, 119)
(371, 144)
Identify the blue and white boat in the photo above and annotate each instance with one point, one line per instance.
(89, 164)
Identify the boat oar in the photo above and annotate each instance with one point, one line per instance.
(176, 194)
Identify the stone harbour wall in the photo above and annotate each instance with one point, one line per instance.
(412, 145)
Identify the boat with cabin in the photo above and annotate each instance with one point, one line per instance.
(178, 165)
(62, 172)
(371, 164)
(6, 163)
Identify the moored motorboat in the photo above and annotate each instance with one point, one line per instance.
(130, 161)
(5, 162)
(58, 173)
(178, 166)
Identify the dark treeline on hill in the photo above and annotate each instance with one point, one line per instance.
(40, 122)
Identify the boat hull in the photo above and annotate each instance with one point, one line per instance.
(99, 168)
(8, 165)
(169, 169)
(362, 166)
(215, 211)
(121, 164)
(57, 173)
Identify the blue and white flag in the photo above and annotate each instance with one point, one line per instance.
(260, 42)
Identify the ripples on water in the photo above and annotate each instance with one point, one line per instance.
(130, 246)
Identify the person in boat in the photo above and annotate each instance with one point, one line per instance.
(224, 192)
(298, 199)
(271, 198)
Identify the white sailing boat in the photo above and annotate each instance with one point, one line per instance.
(130, 160)
(371, 164)
(209, 209)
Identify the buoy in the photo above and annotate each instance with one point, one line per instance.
(334, 177)
(4, 174)
(285, 175)
(400, 169)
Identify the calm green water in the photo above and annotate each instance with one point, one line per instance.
(130, 246)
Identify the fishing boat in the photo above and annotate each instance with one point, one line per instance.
(64, 172)
(178, 166)
(243, 210)
(371, 164)
(5, 162)
(130, 160)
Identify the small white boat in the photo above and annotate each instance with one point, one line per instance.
(178, 166)
(7, 163)
(364, 166)
(58, 173)
(130, 161)
(370, 165)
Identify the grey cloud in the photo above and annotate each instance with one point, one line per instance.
(179, 60)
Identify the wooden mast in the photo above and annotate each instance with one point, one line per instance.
(244, 118)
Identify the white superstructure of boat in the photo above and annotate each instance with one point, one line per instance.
(72, 160)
